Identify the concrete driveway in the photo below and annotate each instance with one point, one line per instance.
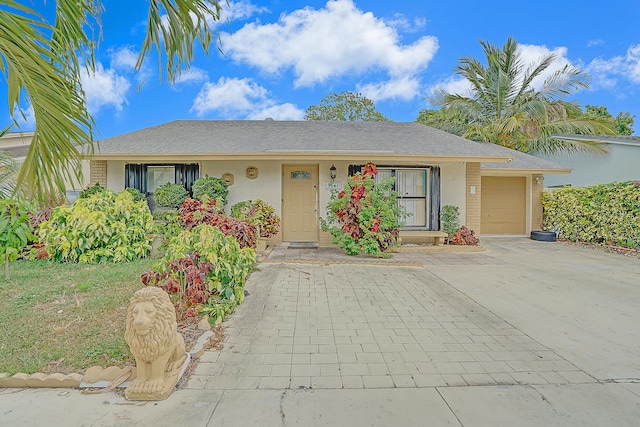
(524, 333)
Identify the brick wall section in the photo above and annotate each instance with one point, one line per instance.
(472, 220)
(537, 186)
(98, 172)
(326, 239)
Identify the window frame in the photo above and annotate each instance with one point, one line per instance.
(432, 192)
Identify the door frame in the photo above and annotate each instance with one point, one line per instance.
(315, 167)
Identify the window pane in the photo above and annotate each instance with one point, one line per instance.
(383, 174)
(158, 175)
(301, 175)
(411, 183)
(417, 210)
(411, 186)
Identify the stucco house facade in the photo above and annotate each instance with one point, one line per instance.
(289, 163)
(619, 164)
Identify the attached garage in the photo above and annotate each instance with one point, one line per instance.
(503, 206)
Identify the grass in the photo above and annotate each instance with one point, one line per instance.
(66, 317)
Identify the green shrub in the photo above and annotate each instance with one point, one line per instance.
(214, 188)
(364, 217)
(138, 196)
(165, 215)
(241, 209)
(606, 213)
(259, 213)
(205, 269)
(166, 222)
(170, 195)
(195, 212)
(90, 191)
(450, 220)
(14, 231)
(102, 227)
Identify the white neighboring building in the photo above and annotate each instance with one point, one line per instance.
(621, 163)
(16, 145)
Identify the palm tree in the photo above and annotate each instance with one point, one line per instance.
(42, 62)
(504, 108)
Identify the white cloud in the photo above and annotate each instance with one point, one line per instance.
(241, 98)
(192, 75)
(633, 59)
(453, 84)
(327, 43)
(237, 10)
(402, 22)
(404, 88)
(104, 88)
(124, 59)
(607, 72)
(596, 42)
(286, 111)
(532, 54)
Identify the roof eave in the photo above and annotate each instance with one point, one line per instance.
(507, 171)
(280, 155)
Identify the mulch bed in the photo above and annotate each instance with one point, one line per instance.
(633, 253)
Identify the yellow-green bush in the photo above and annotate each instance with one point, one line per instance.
(102, 227)
(606, 213)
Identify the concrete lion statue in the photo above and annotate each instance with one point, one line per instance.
(159, 351)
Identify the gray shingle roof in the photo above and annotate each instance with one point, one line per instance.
(269, 137)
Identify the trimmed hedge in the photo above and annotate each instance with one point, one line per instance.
(606, 213)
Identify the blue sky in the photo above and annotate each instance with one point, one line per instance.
(281, 56)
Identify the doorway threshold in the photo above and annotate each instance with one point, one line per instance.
(301, 245)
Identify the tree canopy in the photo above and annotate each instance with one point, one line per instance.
(41, 62)
(505, 106)
(622, 124)
(345, 106)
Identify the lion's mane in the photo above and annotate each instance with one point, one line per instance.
(162, 336)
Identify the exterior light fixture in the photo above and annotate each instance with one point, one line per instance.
(333, 172)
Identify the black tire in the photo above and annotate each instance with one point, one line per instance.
(543, 236)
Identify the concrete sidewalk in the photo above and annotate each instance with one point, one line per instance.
(525, 333)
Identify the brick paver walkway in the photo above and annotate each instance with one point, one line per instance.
(364, 325)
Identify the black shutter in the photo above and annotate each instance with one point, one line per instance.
(434, 198)
(135, 176)
(354, 169)
(186, 174)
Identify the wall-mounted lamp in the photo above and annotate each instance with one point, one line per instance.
(539, 179)
(333, 172)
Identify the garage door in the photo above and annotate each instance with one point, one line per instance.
(504, 205)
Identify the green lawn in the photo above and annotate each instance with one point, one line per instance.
(65, 317)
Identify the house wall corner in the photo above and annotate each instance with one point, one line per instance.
(474, 197)
(537, 187)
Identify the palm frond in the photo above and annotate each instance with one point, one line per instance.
(8, 173)
(36, 71)
(505, 108)
(174, 27)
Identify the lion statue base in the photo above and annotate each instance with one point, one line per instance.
(152, 335)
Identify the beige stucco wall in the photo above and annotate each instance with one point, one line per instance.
(452, 187)
(115, 175)
(267, 186)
